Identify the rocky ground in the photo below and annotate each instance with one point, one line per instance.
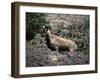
(74, 27)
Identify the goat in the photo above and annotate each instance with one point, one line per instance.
(56, 42)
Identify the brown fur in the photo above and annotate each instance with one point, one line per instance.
(57, 42)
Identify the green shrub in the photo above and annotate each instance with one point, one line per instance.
(34, 23)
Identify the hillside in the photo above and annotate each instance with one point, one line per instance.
(69, 26)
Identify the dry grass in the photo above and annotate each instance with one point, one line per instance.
(75, 27)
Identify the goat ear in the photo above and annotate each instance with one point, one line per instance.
(43, 26)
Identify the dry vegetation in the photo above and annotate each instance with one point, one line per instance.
(74, 27)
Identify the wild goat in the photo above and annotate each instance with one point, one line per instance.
(56, 42)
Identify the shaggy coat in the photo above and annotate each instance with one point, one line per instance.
(56, 42)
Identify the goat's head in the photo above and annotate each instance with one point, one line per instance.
(45, 30)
